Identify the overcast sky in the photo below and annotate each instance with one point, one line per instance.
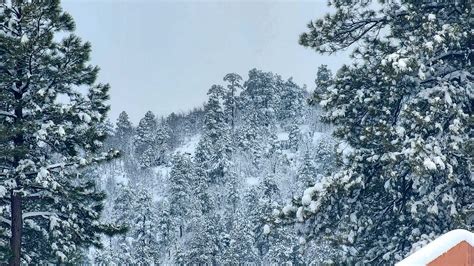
(164, 55)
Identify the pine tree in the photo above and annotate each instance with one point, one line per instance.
(145, 229)
(324, 79)
(210, 151)
(291, 101)
(230, 98)
(44, 142)
(145, 140)
(259, 102)
(403, 112)
(294, 137)
(307, 174)
(181, 177)
(123, 132)
(240, 247)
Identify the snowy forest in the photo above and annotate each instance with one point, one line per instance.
(366, 165)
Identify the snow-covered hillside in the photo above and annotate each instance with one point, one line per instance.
(204, 186)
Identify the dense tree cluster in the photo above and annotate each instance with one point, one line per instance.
(219, 183)
(383, 150)
(403, 111)
(50, 206)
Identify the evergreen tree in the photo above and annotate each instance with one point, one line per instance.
(294, 137)
(136, 209)
(307, 174)
(145, 140)
(181, 177)
(324, 79)
(259, 103)
(209, 152)
(48, 199)
(403, 112)
(230, 98)
(162, 142)
(240, 247)
(291, 100)
(123, 132)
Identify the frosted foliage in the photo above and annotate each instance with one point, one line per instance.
(214, 197)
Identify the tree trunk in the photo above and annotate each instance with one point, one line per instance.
(15, 198)
(16, 226)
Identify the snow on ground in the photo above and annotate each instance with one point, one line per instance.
(189, 145)
(252, 181)
(162, 170)
(437, 247)
(305, 129)
(283, 136)
(121, 179)
(319, 136)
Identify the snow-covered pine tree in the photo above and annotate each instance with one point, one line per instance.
(324, 79)
(404, 113)
(230, 98)
(145, 140)
(210, 153)
(258, 103)
(240, 245)
(123, 133)
(162, 143)
(165, 233)
(291, 101)
(294, 137)
(307, 174)
(44, 141)
(180, 195)
(145, 229)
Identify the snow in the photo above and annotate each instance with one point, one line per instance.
(306, 199)
(82, 161)
(24, 38)
(304, 129)
(439, 162)
(299, 214)
(189, 145)
(438, 39)
(319, 136)
(61, 255)
(287, 209)
(431, 17)
(42, 173)
(252, 181)
(283, 136)
(61, 131)
(437, 247)
(53, 222)
(121, 179)
(266, 229)
(3, 191)
(85, 117)
(429, 164)
(402, 64)
(433, 209)
(161, 170)
(429, 45)
(345, 150)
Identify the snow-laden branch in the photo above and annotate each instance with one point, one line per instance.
(34, 214)
(81, 162)
(4, 113)
(3, 219)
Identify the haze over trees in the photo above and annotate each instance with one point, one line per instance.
(367, 166)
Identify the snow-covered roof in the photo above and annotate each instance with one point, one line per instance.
(438, 247)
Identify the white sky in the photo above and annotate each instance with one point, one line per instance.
(164, 55)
